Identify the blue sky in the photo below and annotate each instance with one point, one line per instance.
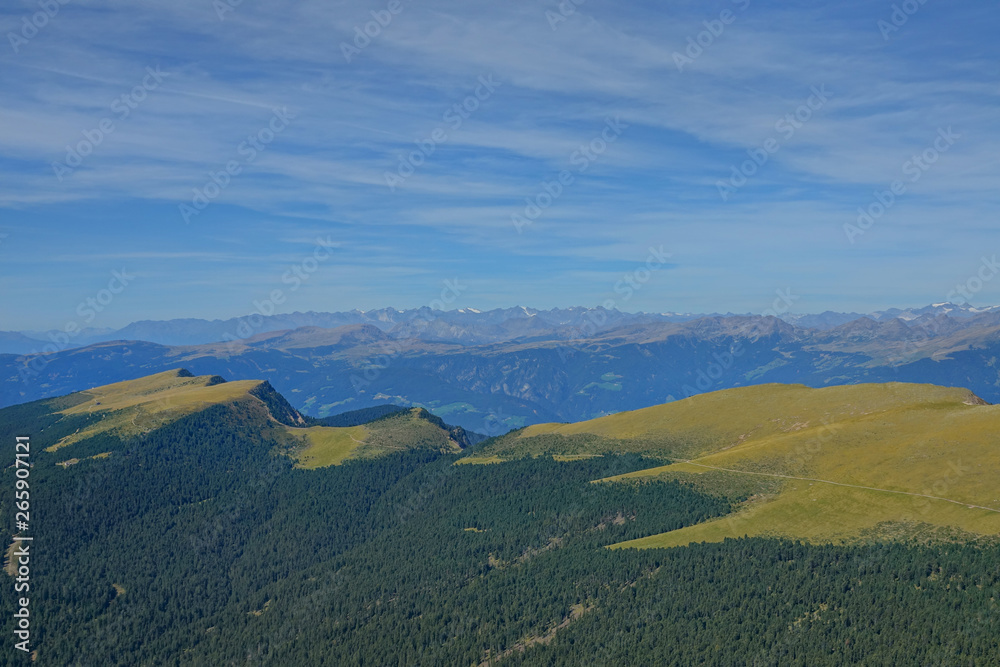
(184, 89)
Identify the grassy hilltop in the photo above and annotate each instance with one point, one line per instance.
(137, 407)
(410, 429)
(835, 464)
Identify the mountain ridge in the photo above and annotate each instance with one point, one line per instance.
(494, 387)
(135, 408)
(467, 325)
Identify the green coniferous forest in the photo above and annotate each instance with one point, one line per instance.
(199, 543)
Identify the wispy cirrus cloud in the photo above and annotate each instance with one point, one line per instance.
(355, 121)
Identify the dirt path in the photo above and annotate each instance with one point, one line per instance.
(390, 447)
(852, 486)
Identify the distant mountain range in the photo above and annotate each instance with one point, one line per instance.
(830, 319)
(493, 371)
(465, 326)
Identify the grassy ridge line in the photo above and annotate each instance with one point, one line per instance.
(138, 406)
(653, 472)
(897, 459)
(327, 445)
(711, 422)
(333, 445)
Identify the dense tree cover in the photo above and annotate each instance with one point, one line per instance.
(769, 602)
(42, 421)
(514, 444)
(385, 421)
(413, 428)
(359, 417)
(200, 544)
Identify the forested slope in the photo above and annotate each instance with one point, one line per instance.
(199, 542)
